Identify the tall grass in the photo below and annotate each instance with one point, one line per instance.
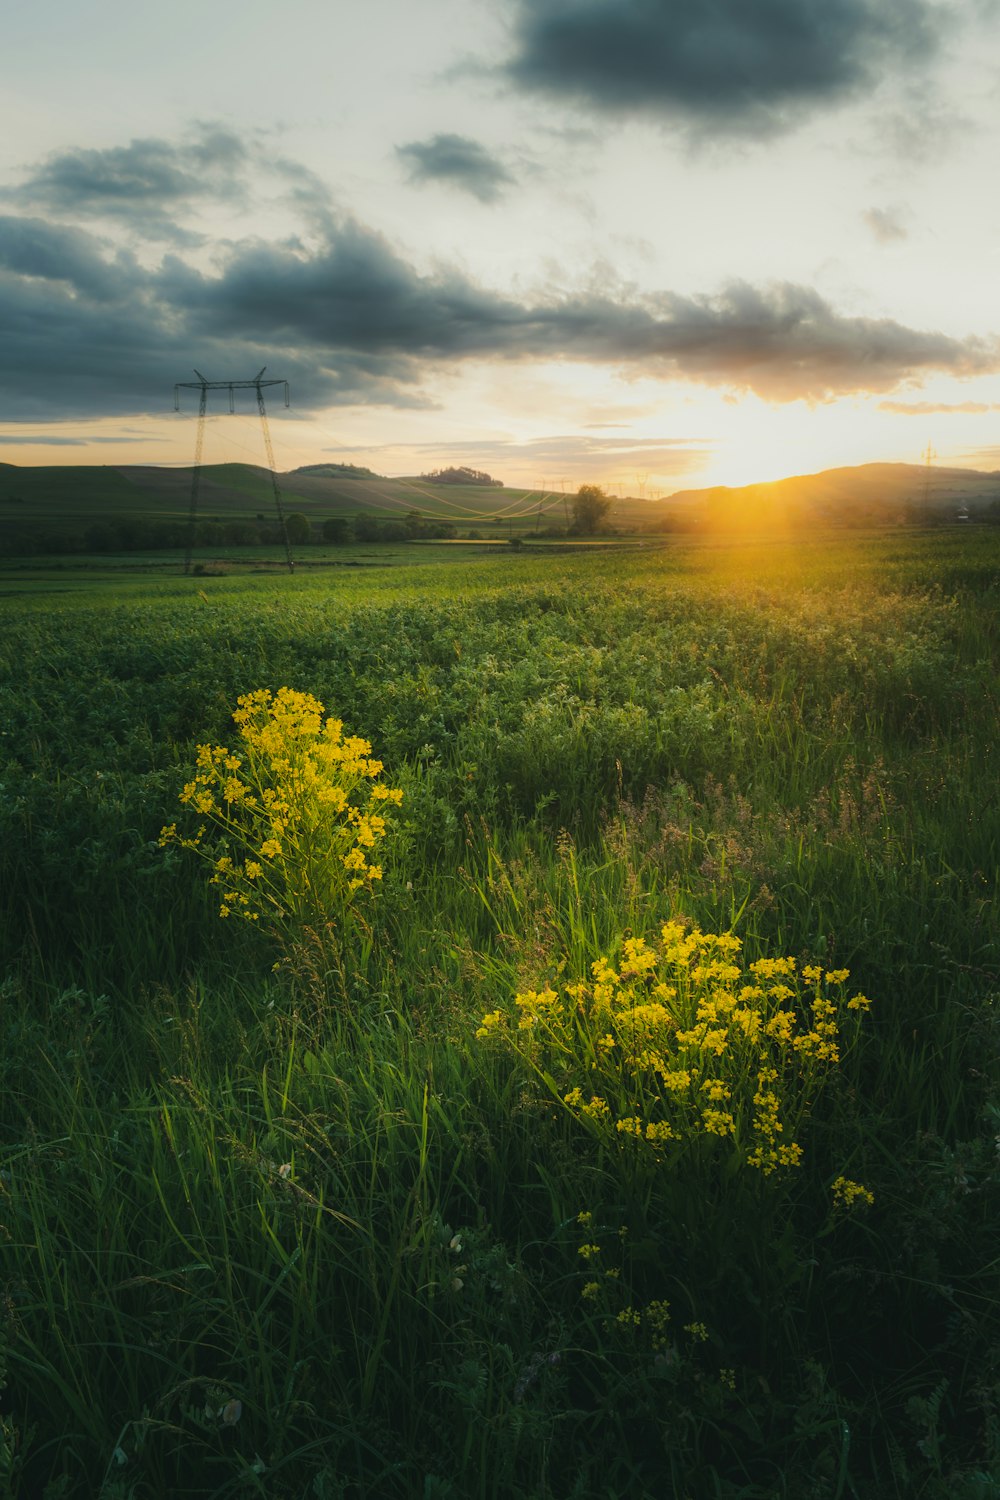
(269, 1229)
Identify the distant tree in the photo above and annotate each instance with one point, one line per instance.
(54, 540)
(367, 528)
(463, 476)
(240, 534)
(297, 528)
(337, 471)
(337, 531)
(590, 506)
(174, 533)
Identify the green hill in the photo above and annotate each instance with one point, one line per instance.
(866, 494)
(83, 494)
(56, 506)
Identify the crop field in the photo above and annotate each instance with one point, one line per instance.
(569, 1074)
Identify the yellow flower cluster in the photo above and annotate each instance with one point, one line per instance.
(653, 1319)
(683, 1042)
(848, 1194)
(291, 820)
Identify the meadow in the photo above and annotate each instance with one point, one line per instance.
(633, 1134)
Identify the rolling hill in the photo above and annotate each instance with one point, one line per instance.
(75, 497)
(81, 494)
(867, 494)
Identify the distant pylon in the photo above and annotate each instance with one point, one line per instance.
(203, 386)
(929, 455)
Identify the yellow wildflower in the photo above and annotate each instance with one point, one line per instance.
(848, 1194)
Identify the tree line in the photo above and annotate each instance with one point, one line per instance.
(112, 535)
(26, 537)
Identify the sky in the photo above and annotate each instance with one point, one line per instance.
(652, 244)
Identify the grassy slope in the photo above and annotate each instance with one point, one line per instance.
(864, 487)
(77, 493)
(84, 493)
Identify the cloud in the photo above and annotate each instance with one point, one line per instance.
(458, 161)
(730, 65)
(920, 129)
(144, 183)
(937, 408)
(348, 319)
(357, 294)
(307, 195)
(982, 456)
(582, 457)
(21, 439)
(886, 224)
(40, 251)
(146, 171)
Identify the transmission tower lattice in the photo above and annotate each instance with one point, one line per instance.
(203, 386)
(929, 455)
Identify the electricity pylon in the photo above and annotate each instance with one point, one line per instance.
(203, 386)
(929, 455)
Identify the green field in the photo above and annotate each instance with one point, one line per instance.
(413, 1201)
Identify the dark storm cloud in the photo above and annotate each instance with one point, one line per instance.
(54, 252)
(143, 184)
(69, 351)
(458, 161)
(86, 336)
(356, 293)
(733, 64)
(352, 321)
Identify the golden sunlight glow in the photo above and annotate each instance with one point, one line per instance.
(559, 427)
